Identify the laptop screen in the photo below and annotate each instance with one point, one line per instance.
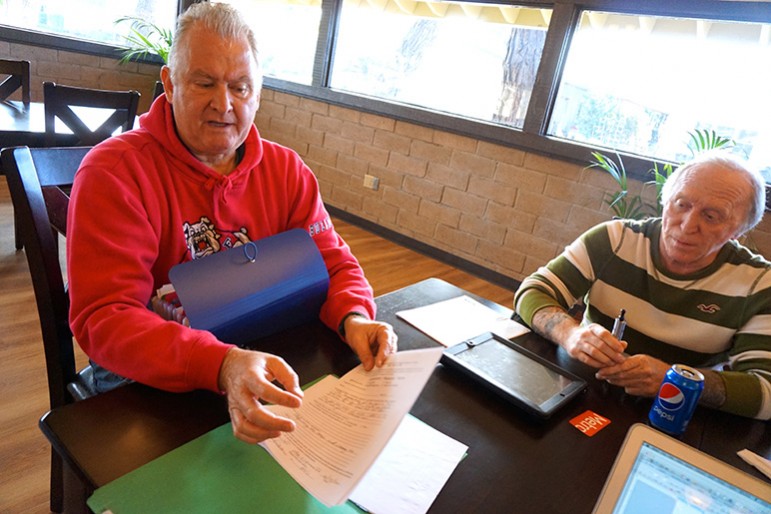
(660, 482)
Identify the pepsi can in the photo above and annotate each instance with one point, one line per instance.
(676, 400)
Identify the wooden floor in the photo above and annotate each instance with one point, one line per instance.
(25, 453)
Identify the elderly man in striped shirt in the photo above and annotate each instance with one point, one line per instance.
(692, 294)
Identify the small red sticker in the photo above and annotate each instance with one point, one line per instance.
(589, 423)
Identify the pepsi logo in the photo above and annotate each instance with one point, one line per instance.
(670, 397)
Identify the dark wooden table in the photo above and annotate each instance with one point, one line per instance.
(18, 119)
(515, 463)
(22, 125)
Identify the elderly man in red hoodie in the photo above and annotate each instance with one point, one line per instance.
(197, 160)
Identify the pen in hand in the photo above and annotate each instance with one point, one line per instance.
(618, 328)
(619, 325)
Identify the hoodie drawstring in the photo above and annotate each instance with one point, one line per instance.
(221, 182)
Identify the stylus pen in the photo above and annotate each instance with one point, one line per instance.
(619, 325)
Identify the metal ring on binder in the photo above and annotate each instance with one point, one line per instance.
(251, 255)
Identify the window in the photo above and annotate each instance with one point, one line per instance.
(286, 33)
(91, 20)
(639, 84)
(472, 60)
(556, 77)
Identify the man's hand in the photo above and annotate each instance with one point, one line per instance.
(639, 375)
(247, 377)
(373, 341)
(592, 344)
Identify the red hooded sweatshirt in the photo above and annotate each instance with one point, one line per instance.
(142, 203)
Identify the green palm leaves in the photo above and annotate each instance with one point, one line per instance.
(145, 38)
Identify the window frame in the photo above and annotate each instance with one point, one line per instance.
(566, 15)
(58, 42)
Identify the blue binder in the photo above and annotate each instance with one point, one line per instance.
(254, 290)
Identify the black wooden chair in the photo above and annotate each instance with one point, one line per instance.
(59, 100)
(39, 181)
(18, 78)
(158, 89)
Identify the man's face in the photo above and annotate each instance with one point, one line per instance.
(706, 210)
(215, 95)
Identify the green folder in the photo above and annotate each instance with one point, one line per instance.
(213, 473)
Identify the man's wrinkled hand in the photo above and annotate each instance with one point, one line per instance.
(639, 375)
(372, 341)
(594, 345)
(248, 377)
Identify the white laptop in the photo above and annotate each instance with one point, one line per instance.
(655, 473)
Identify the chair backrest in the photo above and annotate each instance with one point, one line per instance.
(158, 89)
(59, 100)
(39, 180)
(18, 77)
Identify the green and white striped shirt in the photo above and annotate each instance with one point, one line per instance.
(718, 317)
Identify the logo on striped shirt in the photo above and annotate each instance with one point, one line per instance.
(708, 309)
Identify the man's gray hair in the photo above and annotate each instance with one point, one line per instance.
(222, 19)
(730, 164)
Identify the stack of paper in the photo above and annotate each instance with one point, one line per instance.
(453, 321)
(359, 446)
(410, 472)
(344, 425)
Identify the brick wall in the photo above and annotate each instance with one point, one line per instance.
(81, 70)
(502, 208)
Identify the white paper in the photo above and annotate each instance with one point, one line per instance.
(410, 472)
(344, 424)
(753, 459)
(453, 321)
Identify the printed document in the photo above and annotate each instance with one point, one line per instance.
(411, 471)
(344, 424)
(453, 321)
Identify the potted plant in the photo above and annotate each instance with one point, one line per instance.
(145, 38)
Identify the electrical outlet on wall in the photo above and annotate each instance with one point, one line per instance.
(371, 182)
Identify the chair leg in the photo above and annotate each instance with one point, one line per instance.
(75, 493)
(68, 493)
(57, 482)
(17, 232)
